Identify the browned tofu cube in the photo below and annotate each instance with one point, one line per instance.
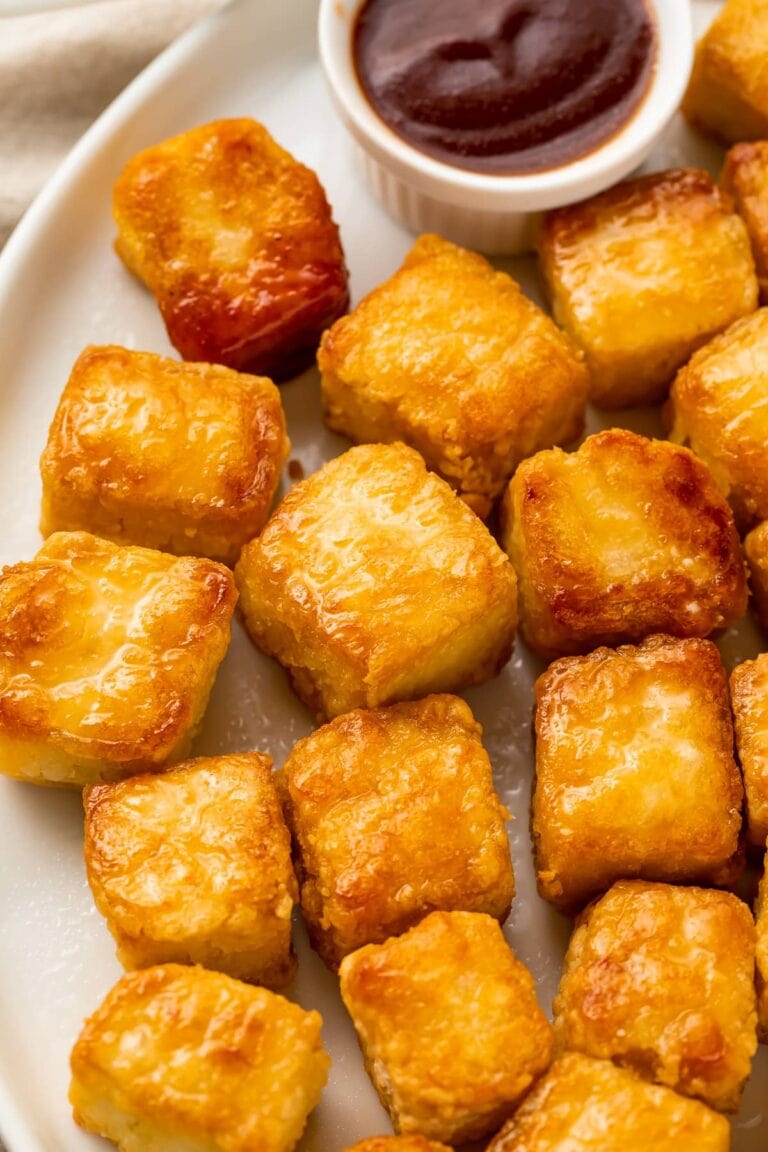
(181, 457)
(583, 1104)
(109, 655)
(373, 582)
(194, 866)
(761, 913)
(449, 1025)
(414, 1143)
(727, 95)
(394, 814)
(235, 240)
(661, 979)
(756, 552)
(180, 1058)
(749, 695)
(644, 274)
(443, 356)
(624, 738)
(718, 407)
(745, 178)
(624, 538)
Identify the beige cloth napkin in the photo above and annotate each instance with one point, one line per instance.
(59, 69)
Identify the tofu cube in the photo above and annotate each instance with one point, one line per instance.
(447, 1018)
(194, 866)
(181, 457)
(108, 658)
(624, 738)
(727, 94)
(449, 356)
(624, 538)
(394, 814)
(761, 914)
(644, 274)
(661, 979)
(373, 582)
(236, 241)
(582, 1104)
(718, 408)
(756, 552)
(749, 696)
(414, 1143)
(745, 178)
(179, 1057)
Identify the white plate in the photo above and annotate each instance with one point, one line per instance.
(61, 287)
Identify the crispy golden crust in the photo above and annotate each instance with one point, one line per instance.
(585, 1105)
(661, 979)
(180, 1057)
(624, 739)
(756, 552)
(107, 658)
(194, 866)
(372, 582)
(749, 695)
(644, 274)
(727, 94)
(414, 1143)
(745, 178)
(236, 241)
(761, 915)
(394, 813)
(717, 407)
(449, 356)
(621, 539)
(144, 450)
(449, 1025)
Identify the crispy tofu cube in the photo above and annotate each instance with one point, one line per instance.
(761, 914)
(373, 582)
(236, 241)
(194, 866)
(181, 457)
(393, 814)
(644, 274)
(745, 178)
(718, 407)
(414, 1143)
(624, 538)
(108, 658)
(727, 94)
(660, 979)
(178, 1057)
(749, 695)
(624, 738)
(447, 1019)
(756, 552)
(449, 356)
(582, 1104)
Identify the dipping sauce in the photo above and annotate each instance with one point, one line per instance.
(505, 86)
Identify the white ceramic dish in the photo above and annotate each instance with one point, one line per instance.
(495, 213)
(60, 287)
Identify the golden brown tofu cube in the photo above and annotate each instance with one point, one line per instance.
(194, 866)
(727, 94)
(745, 178)
(181, 457)
(236, 241)
(756, 552)
(394, 814)
(449, 356)
(718, 407)
(108, 658)
(624, 738)
(447, 1019)
(582, 1105)
(644, 274)
(749, 695)
(414, 1143)
(373, 582)
(761, 914)
(661, 979)
(179, 1057)
(624, 538)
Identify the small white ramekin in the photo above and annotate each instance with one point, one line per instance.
(486, 212)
